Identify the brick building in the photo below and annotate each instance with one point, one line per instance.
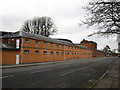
(21, 47)
(93, 46)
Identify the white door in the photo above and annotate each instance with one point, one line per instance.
(17, 59)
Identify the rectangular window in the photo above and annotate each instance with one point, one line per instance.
(51, 44)
(27, 40)
(57, 45)
(26, 51)
(62, 46)
(37, 42)
(51, 53)
(44, 52)
(36, 52)
(17, 43)
(9, 41)
(62, 53)
(57, 53)
(45, 43)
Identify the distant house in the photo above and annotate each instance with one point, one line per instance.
(21, 47)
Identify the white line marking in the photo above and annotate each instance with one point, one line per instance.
(7, 76)
(35, 71)
(69, 72)
(63, 74)
(41, 71)
(11, 76)
(64, 67)
(4, 77)
(99, 79)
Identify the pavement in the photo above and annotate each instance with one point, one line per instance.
(23, 65)
(110, 79)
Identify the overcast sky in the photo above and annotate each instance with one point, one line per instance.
(66, 14)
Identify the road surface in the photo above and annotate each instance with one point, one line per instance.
(65, 74)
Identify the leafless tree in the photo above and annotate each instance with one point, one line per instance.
(105, 14)
(40, 25)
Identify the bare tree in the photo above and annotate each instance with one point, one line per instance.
(105, 14)
(107, 50)
(40, 25)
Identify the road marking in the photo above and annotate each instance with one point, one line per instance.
(63, 74)
(34, 71)
(99, 79)
(11, 76)
(64, 67)
(3, 77)
(7, 76)
(41, 71)
(72, 71)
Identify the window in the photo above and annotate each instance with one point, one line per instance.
(57, 45)
(45, 43)
(26, 51)
(62, 53)
(68, 53)
(51, 44)
(37, 42)
(36, 52)
(51, 53)
(17, 43)
(62, 46)
(9, 41)
(44, 52)
(27, 40)
(57, 53)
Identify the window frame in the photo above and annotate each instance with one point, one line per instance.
(27, 41)
(57, 53)
(9, 41)
(37, 42)
(26, 51)
(38, 51)
(45, 43)
(51, 53)
(44, 52)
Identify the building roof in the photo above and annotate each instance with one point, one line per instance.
(40, 37)
(2, 33)
(86, 41)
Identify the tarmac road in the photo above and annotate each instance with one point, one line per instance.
(65, 74)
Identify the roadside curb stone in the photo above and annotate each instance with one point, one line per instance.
(110, 80)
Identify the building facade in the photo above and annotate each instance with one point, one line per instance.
(21, 47)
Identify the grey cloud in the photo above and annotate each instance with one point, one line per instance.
(12, 23)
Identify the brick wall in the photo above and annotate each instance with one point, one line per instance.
(60, 52)
(36, 48)
(8, 57)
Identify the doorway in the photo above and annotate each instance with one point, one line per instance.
(17, 59)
